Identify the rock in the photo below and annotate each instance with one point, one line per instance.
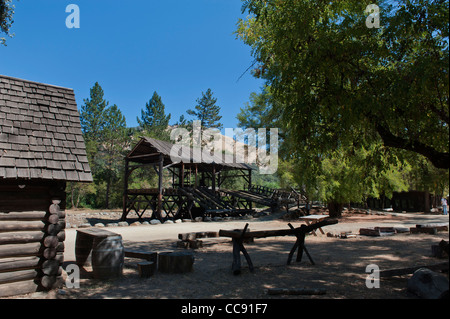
(217, 219)
(178, 221)
(206, 218)
(155, 222)
(112, 225)
(122, 224)
(136, 224)
(187, 220)
(198, 219)
(168, 221)
(99, 225)
(428, 284)
(145, 223)
(85, 225)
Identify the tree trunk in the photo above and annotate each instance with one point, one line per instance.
(335, 209)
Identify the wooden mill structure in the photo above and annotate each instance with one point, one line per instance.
(41, 149)
(195, 188)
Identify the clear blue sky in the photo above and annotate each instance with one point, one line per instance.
(179, 48)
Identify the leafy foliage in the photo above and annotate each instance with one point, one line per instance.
(6, 19)
(339, 83)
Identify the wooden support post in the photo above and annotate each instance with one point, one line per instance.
(125, 191)
(182, 175)
(300, 244)
(213, 185)
(160, 184)
(196, 176)
(238, 247)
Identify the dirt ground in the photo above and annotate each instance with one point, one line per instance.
(340, 263)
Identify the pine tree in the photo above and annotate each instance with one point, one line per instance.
(154, 119)
(207, 111)
(92, 114)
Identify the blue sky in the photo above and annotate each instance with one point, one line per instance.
(178, 48)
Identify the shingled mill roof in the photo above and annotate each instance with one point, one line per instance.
(40, 133)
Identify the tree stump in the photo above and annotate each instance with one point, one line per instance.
(175, 262)
(146, 269)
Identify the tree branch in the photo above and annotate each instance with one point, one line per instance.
(438, 159)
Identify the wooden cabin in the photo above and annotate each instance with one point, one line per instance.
(41, 149)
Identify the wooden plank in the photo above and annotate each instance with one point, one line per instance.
(410, 270)
(96, 232)
(149, 256)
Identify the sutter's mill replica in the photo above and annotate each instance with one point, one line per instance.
(196, 188)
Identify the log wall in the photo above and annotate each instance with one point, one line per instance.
(32, 233)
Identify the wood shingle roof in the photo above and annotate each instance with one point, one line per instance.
(40, 133)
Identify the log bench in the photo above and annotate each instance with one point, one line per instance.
(238, 237)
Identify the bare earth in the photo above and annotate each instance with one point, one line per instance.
(340, 263)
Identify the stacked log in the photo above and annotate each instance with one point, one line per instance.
(31, 250)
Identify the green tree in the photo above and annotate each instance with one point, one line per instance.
(206, 111)
(6, 19)
(154, 120)
(92, 115)
(106, 138)
(340, 83)
(114, 141)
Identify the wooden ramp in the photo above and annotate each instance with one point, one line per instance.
(211, 202)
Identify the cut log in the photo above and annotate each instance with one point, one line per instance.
(18, 288)
(175, 262)
(51, 241)
(424, 230)
(53, 219)
(146, 269)
(23, 216)
(296, 292)
(54, 229)
(13, 226)
(20, 275)
(21, 237)
(25, 250)
(19, 263)
(409, 270)
(147, 255)
(51, 267)
(51, 282)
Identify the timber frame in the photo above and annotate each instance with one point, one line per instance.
(195, 187)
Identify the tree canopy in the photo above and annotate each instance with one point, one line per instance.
(154, 120)
(207, 111)
(339, 83)
(6, 19)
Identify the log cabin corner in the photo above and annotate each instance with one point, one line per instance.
(41, 148)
